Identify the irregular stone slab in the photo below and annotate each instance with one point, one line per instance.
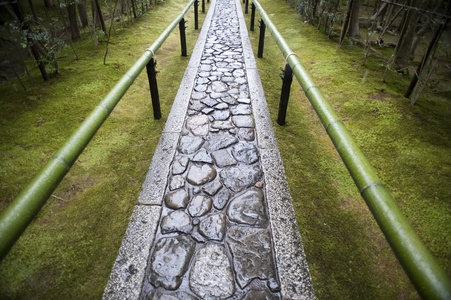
(248, 208)
(205, 67)
(196, 105)
(213, 227)
(245, 134)
(176, 221)
(231, 53)
(199, 206)
(211, 275)
(202, 80)
(158, 295)
(203, 157)
(219, 87)
(252, 255)
(244, 87)
(223, 158)
(237, 178)
(220, 115)
(220, 140)
(204, 74)
(244, 100)
(209, 102)
(176, 182)
(207, 110)
(201, 87)
(190, 144)
(177, 199)
(222, 125)
(243, 121)
(227, 79)
(245, 152)
(216, 95)
(221, 106)
(212, 188)
(241, 109)
(170, 260)
(236, 65)
(233, 91)
(222, 64)
(254, 294)
(221, 199)
(200, 175)
(241, 80)
(179, 165)
(229, 100)
(244, 94)
(195, 234)
(198, 125)
(198, 95)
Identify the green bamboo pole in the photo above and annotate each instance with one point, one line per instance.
(16, 217)
(428, 277)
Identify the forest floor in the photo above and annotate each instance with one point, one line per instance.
(69, 249)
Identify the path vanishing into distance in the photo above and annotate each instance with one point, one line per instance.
(214, 219)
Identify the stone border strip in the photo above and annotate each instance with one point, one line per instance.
(127, 276)
(292, 267)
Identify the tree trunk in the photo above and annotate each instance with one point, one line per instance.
(48, 3)
(134, 8)
(34, 50)
(83, 13)
(345, 27)
(33, 10)
(73, 24)
(379, 15)
(100, 16)
(354, 20)
(429, 53)
(404, 48)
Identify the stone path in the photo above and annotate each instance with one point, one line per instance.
(214, 219)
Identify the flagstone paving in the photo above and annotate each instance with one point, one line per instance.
(213, 230)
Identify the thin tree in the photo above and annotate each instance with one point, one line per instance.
(12, 63)
(48, 3)
(429, 53)
(33, 44)
(108, 40)
(100, 16)
(83, 12)
(72, 15)
(65, 26)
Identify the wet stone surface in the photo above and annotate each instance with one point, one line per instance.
(214, 239)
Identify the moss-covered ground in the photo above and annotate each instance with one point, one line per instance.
(409, 146)
(69, 249)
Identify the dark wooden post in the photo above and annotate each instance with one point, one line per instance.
(287, 78)
(246, 8)
(152, 76)
(196, 14)
(261, 40)
(203, 6)
(252, 16)
(182, 36)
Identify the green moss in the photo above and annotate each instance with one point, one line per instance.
(69, 249)
(348, 255)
